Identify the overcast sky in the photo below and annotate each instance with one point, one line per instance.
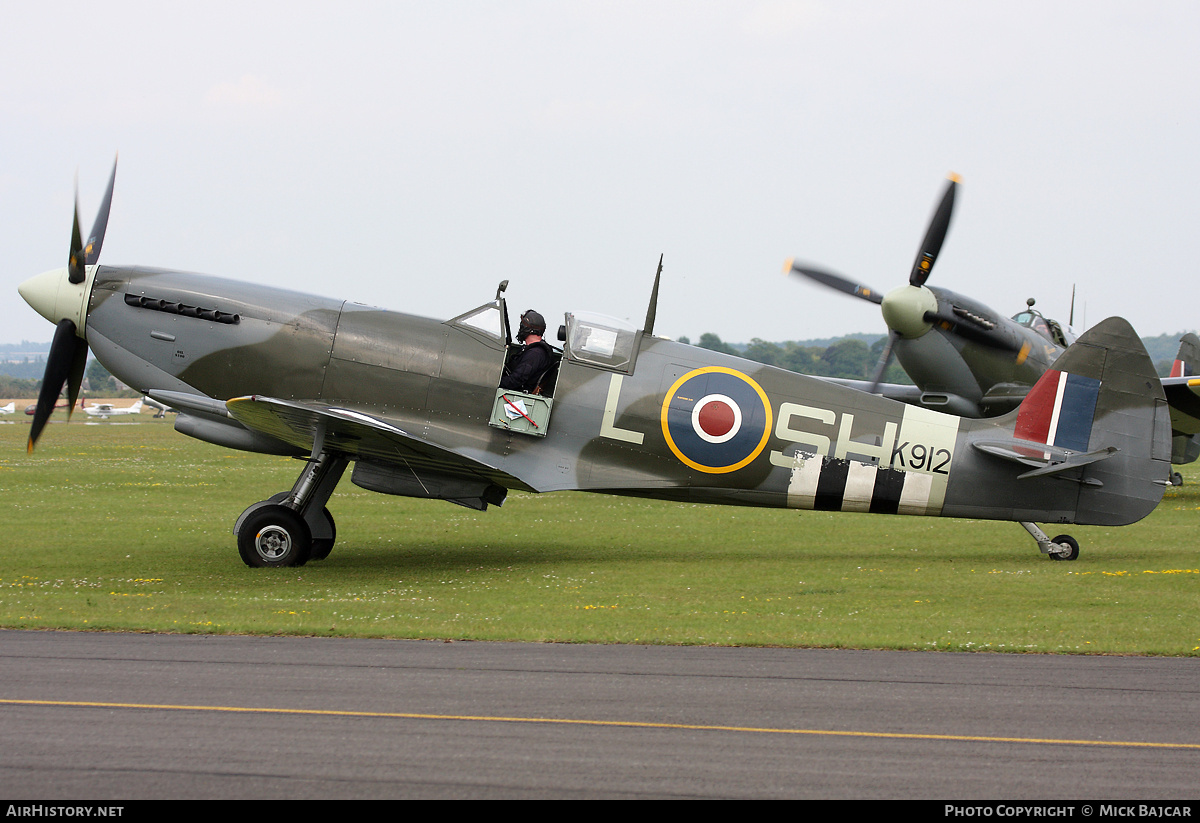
(412, 155)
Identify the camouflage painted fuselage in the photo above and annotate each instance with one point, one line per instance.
(669, 421)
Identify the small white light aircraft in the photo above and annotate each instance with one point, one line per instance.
(9, 409)
(106, 410)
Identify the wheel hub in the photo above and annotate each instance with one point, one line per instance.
(272, 542)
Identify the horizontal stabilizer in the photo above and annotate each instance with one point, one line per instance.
(1044, 459)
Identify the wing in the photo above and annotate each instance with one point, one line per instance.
(1183, 395)
(391, 460)
(363, 436)
(892, 391)
(942, 401)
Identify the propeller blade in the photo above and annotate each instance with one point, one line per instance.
(836, 281)
(69, 351)
(87, 255)
(936, 234)
(75, 378)
(75, 272)
(96, 238)
(885, 360)
(64, 353)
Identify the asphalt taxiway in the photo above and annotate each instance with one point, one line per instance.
(129, 716)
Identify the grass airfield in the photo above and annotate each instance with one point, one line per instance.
(127, 526)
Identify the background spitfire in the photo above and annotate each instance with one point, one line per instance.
(967, 359)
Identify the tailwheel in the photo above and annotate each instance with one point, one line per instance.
(1063, 547)
(1068, 548)
(275, 535)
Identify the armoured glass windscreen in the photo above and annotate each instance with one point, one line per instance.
(484, 319)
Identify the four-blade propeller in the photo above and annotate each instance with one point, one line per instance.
(68, 352)
(912, 310)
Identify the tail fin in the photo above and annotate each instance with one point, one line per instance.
(1097, 417)
(1183, 394)
(1187, 361)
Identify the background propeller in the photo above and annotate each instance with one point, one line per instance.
(935, 235)
(911, 310)
(835, 281)
(68, 352)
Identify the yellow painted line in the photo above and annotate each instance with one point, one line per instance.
(611, 723)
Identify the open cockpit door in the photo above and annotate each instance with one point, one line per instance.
(520, 411)
(525, 413)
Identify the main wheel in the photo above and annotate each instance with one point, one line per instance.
(1176, 479)
(274, 536)
(322, 546)
(1072, 548)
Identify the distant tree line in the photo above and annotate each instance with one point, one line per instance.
(854, 359)
(847, 358)
(11, 387)
(97, 382)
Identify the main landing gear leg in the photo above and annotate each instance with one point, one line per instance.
(1063, 547)
(293, 527)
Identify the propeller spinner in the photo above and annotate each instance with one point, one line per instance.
(61, 297)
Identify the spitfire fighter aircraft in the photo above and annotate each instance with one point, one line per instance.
(416, 405)
(968, 360)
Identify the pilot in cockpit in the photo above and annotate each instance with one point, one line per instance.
(523, 371)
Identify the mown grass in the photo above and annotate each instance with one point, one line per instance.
(128, 527)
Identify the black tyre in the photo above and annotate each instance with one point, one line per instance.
(1066, 540)
(274, 536)
(322, 546)
(1176, 479)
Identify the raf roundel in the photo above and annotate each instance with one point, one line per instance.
(715, 419)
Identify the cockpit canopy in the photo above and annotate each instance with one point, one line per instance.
(591, 338)
(603, 341)
(1052, 330)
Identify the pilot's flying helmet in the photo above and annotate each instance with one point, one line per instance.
(531, 323)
